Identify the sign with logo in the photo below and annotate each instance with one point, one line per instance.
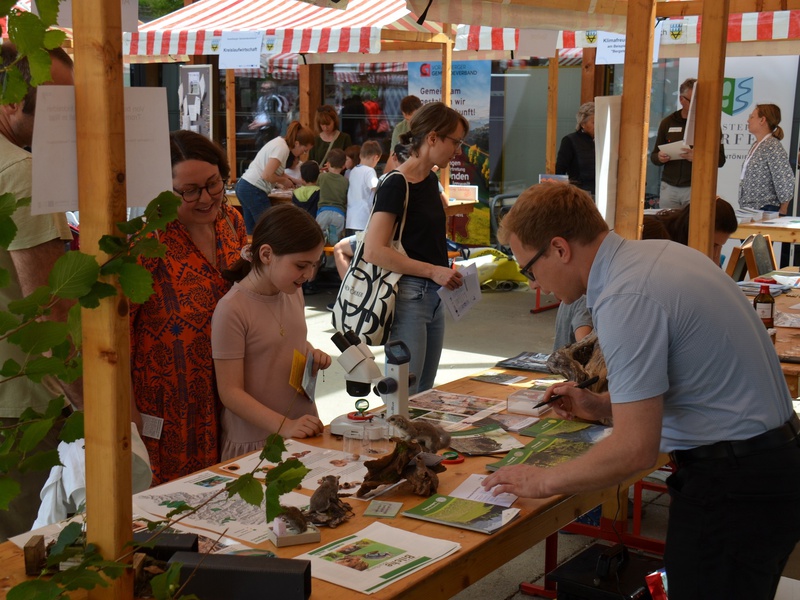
(469, 94)
(748, 81)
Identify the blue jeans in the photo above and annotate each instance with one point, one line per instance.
(419, 322)
(254, 201)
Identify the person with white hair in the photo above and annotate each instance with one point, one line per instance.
(576, 154)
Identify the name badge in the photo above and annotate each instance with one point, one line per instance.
(152, 426)
(675, 129)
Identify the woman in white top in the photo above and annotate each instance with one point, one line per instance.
(767, 181)
(267, 171)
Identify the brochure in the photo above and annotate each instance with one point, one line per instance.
(452, 411)
(489, 439)
(526, 361)
(542, 452)
(577, 431)
(508, 421)
(465, 514)
(375, 557)
(472, 489)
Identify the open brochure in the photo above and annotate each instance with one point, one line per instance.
(542, 452)
(577, 431)
(482, 517)
(375, 557)
(489, 439)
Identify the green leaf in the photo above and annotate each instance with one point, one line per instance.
(149, 247)
(48, 11)
(10, 368)
(35, 589)
(8, 203)
(8, 231)
(273, 448)
(73, 427)
(136, 282)
(113, 267)
(74, 325)
(39, 336)
(9, 489)
(30, 306)
(86, 579)
(35, 433)
(54, 407)
(14, 87)
(73, 275)
(41, 461)
(165, 585)
(7, 321)
(273, 503)
(131, 227)
(161, 211)
(289, 473)
(6, 6)
(38, 368)
(9, 461)
(54, 38)
(249, 488)
(68, 536)
(112, 244)
(5, 278)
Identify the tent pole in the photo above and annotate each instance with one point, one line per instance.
(100, 124)
(230, 120)
(552, 114)
(636, 108)
(447, 84)
(711, 71)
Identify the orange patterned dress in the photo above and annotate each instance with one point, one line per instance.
(171, 365)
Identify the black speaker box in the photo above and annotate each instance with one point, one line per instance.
(166, 544)
(234, 577)
(588, 576)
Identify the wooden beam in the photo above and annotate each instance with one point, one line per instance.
(414, 36)
(708, 90)
(230, 119)
(100, 125)
(447, 84)
(695, 7)
(635, 120)
(589, 75)
(310, 93)
(552, 114)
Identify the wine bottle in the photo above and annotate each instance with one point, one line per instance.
(764, 304)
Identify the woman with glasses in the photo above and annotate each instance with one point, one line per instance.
(576, 156)
(435, 136)
(171, 365)
(326, 122)
(267, 171)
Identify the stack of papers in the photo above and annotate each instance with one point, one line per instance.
(752, 288)
(748, 215)
(376, 557)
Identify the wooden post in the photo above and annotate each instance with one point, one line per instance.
(636, 115)
(310, 82)
(708, 88)
(590, 80)
(552, 114)
(447, 84)
(100, 124)
(230, 119)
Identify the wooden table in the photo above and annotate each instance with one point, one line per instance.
(785, 229)
(480, 554)
(277, 197)
(787, 342)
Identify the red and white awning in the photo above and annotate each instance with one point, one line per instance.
(742, 27)
(296, 27)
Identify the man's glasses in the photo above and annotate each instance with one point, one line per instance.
(685, 98)
(526, 270)
(214, 189)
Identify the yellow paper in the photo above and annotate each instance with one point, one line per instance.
(298, 367)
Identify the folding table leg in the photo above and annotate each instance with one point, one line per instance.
(550, 563)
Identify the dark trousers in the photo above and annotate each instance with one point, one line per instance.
(732, 524)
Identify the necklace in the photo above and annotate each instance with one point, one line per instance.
(278, 321)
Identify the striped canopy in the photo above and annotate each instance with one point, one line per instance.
(298, 27)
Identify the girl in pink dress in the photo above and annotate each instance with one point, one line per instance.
(257, 329)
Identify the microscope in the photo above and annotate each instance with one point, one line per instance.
(361, 374)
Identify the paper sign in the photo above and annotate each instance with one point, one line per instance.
(240, 49)
(611, 46)
(55, 164)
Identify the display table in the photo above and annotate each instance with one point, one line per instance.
(787, 342)
(784, 229)
(480, 554)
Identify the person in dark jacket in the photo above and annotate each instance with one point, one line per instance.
(576, 154)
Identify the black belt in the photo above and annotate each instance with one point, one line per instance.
(770, 440)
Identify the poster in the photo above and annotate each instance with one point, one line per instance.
(470, 93)
(195, 99)
(748, 81)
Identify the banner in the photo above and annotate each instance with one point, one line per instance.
(471, 84)
(748, 81)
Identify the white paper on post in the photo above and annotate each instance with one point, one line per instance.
(240, 49)
(55, 164)
(611, 46)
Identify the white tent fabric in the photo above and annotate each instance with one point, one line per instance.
(297, 27)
